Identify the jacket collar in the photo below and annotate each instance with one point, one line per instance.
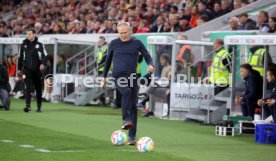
(28, 41)
(255, 48)
(217, 51)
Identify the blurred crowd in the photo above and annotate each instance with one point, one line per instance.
(102, 16)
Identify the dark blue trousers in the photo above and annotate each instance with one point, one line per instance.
(270, 111)
(248, 107)
(129, 93)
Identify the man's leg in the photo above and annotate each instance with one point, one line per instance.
(273, 112)
(168, 96)
(133, 114)
(244, 108)
(251, 106)
(118, 98)
(144, 101)
(38, 89)
(126, 100)
(267, 111)
(5, 99)
(28, 83)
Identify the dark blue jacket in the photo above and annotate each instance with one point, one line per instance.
(272, 87)
(4, 78)
(254, 86)
(124, 56)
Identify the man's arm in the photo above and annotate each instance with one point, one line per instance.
(227, 63)
(269, 58)
(140, 59)
(20, 59)
(251, 91)
(145, 53)
(4, 79)
(102, 61)
(44, 54)
(108, 60)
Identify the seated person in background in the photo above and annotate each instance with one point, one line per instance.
(166, 67)
(262, 21)
(12, 66)
(159, 92)
(19, 88)
(4, 88)
(61, 65)
(270, 103)
(48, 78)
(253, 90)
(12, 70)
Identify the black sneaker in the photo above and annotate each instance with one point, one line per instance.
(27, 109)
(6, 108)
(116, 107)
(38, 108)
(148, 114)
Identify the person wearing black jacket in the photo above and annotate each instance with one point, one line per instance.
(31, 62)
(159, 27)
(4, 88)
(269, 103)
(253, 91)
(246, 22)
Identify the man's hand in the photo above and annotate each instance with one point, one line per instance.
(271, 102)
(169, 76)
(103, 83)
(238, 100)
(261, 102)
(185, 65)
(150, 69)
(42, 67)
(20, 72)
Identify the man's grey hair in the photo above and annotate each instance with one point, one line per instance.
(182, 37)
(234, 19)
(124, 24)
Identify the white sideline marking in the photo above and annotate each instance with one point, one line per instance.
(62, 151)
(7, 141)
(26, 146)
(43, 150)
(69, 151)
(127, 150)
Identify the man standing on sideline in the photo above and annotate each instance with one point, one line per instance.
(123, 53)
(101, 56)
(31, 63)
(102, 45)
(256, 58)
(221, 67)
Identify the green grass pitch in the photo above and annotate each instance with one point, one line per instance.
(74, 133)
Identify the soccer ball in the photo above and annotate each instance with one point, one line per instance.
(145, 144)
(118, 137)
